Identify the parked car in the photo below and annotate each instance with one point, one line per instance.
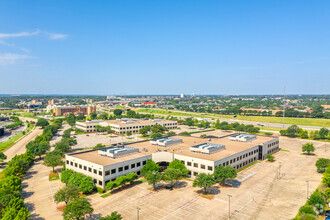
(233, 183)
(327, 213)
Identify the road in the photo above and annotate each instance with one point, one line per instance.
(19, 147)
(273, 125)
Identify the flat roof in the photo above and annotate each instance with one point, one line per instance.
(136, 121)
(232, 147)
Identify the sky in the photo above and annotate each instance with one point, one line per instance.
(141, 47)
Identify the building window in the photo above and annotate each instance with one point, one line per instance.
(85, 168)
(67, 162)
(203, 166)
(195, 173)
(107, 173)
(75, 164)
(94, 180)
(89, 169)
(120, 169)
(100, 173)
(231, 161)
(188, 163)
(126, 167)
(100, 182)
(132, 165)
(113, 171)
(138, 164)
(209, 168)
(144, 162)
(95, 171)
(71, 163)
(227, 163)
(195, 164)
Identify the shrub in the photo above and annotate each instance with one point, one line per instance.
(100, 190)
(307, 209)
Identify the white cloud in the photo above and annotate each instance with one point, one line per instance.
(12, 58)
(54, 36)
(51, 36)
(20, 34)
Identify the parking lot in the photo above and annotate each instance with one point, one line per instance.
(268, 191)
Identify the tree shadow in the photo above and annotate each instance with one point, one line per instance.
(29, 174)
(31, 208)
(94, 217)
(180, 184)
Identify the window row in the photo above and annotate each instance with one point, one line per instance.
(120, 169)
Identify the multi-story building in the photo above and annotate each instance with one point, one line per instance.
(77, 110)
(124, 125)
(199, 155)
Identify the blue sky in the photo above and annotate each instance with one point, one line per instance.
(164, 47)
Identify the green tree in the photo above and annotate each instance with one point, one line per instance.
(316, 198)
(67, 194)
(144, 131)
(171, 175)
(131, 177)
(224, 172)
(86, 185)
(170, 133)
(129, 133)
(179, 165)
(77, 209)
(150, 166)
(93, 115)
(113, 216)
(307, 209)
(204, 181)
(98, 146)
(11, 182)
(155, 135)
(42, 122)
(321, 164)
(323, 133)
(2, 156)
(111, 185)
(270, 158)
(53, 159)
(185, 133)
(308, 147)
(121, 181)
(153, 177)
(38, 149)
(304, 134)
(326, 179)
(117, 112)
(65, 176)
(292, 131)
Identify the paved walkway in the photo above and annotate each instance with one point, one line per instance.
(38, 192)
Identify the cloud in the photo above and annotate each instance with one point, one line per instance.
(14, 46)
(54, 36)
(12, 58)
(20, 34)
(51, 36)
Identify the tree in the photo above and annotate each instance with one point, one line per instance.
(155, 135)
(292, 131)
(131, 177)
(98, 146)
(224, 172)
(129, 133)
(179, 165)
(307, 209)
(42, 122)
(144, 131)
(308, 147)
(86, 185)
(185, 133)
(117, 112)
(67, 194)
(2, 156)
(150, 166)
(113, 216)
(304, 134)
(316, 198)
(65, 176)
(204, 181)
(77, 209)
(11, 182)
(270, 158)
(323, 133)
(170, 133)
(53, 159)
(121, 180)
(170, 175)
(321, 164)
(38, 149)
(111, 185)
(326, 179)
(153, 177)
(189, 122)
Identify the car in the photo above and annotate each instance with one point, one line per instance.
(87, 134)
(327, 218)
(233, 183)
(327, 213)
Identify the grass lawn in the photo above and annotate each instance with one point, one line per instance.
(54, 176)
(247, 166)
(296, 121)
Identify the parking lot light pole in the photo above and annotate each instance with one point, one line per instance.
(138, 212)
(279, 170)
(307, 181)
(229, 216)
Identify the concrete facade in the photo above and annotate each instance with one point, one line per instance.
(106, 168)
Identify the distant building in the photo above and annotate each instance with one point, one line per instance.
(124, 125)
(149, 103)
(77, 110)
(52, 102)
(182, 95)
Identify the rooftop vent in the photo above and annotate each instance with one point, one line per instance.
(242, 137)
(167, 141)
(207, 148)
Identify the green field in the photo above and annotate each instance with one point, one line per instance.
(320, 122)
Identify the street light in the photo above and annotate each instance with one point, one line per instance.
(229, 216)
(279, 170)
(138, 212)
(307, 181)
